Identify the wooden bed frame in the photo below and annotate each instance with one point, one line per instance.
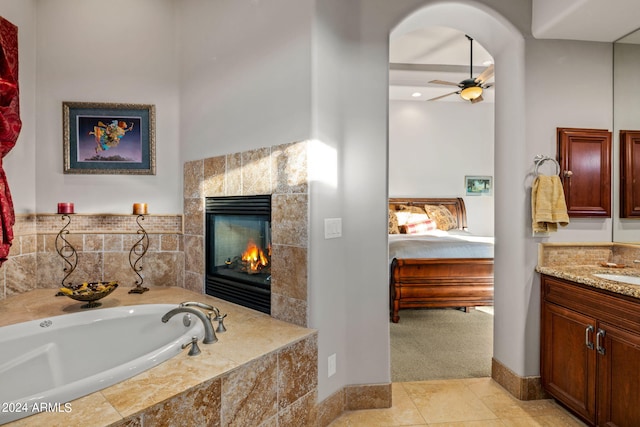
(444, 282)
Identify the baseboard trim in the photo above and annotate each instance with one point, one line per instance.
(523, 388)
(353, 398)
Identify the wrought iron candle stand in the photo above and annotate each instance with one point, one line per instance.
(66, 251)
(136, 253)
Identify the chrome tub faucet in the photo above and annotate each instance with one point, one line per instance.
(209, 333)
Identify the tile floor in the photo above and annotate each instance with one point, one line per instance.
(474, 402)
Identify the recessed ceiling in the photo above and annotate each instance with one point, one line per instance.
(434, 53)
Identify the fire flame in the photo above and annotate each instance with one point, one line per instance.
(255, 257)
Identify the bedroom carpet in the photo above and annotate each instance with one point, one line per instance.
(429, 344)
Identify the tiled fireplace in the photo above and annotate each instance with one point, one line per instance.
(279, 171)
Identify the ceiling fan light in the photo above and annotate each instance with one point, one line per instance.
(471, 93)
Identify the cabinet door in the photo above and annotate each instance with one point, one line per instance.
(567, 359)
(618, 377)
(629, 171)
(585, 158)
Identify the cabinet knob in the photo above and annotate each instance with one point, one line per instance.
(567, 174)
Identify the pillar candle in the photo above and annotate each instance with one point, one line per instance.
(65, 208)
(139, 208)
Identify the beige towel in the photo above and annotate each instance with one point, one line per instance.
(548, 207)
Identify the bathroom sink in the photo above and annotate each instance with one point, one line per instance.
(632, 280)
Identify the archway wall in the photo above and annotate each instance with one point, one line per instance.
(530, 104)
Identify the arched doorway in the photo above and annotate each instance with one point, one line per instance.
(505, 43)
(436, 140)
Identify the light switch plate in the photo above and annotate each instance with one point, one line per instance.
(332, 228)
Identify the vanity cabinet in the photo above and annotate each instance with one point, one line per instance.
(590, 351)
(584, 156)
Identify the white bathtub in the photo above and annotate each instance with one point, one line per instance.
(45, 363)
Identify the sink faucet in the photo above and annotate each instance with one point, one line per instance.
(209, 333)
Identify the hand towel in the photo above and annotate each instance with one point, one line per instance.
(548, 208)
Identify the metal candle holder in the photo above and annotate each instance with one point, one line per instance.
(136, 253)
(66, 251)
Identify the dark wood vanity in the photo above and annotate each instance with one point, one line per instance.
(590, 351)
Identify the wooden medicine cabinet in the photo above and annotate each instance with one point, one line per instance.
(585, 161)
(629, 171)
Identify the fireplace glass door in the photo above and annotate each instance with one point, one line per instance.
(238, 234)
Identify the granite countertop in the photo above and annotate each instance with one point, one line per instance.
(584, 274)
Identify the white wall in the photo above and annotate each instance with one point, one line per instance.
(245, 75)
(433, 146)
(122, 52)
(20, 163)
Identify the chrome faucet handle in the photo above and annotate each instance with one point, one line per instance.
(194, 350)
(196, 304)
(221, 327)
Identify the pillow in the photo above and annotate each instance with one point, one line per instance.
(419, 227)
(443, 217)
(410, 214)
(393, 223)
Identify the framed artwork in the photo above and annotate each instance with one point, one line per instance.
(101, 138)
(478, 185)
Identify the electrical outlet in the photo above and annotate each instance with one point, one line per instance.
(332, 228)
(332, 365)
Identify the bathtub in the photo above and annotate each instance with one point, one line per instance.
(45, 363)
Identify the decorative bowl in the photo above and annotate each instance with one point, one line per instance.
(89, 292)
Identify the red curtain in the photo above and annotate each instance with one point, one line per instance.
(10, 125)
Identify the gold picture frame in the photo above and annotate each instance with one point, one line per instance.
(109, 138)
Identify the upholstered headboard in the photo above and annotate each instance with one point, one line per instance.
(454, 204)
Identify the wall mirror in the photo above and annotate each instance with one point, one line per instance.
(626, 116)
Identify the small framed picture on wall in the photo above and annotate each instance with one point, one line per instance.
(478, 185)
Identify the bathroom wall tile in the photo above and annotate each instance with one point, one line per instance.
(289, 271)
(249, 393)
(290, 168)
(331, 408)
(163, 268)
(301, 413)
(368, 396)
(152, 242)
(199, 406)
(29, 244)
(113, 243)
(193, 174)
(233, 175)
(25, 224)
(16, 247)
(214, 176)
(289, 309)
(194, 216)
(49, 270)
(20, 274)
(289, 219)
(89, 268)
(297, 371)
(170, 242)
(256, 172)
(93, 243)
(117, 268)
(194, 254)
(194, 282)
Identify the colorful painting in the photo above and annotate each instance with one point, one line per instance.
(104, 138)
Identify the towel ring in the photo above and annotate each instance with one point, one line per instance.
(540, 159)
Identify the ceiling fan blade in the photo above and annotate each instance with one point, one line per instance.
(442, 96)
(478, 99)
(485, 75)
(442, 82)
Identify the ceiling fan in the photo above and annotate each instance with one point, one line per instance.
(470, 89)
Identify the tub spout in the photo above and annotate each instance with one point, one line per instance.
(209, 333)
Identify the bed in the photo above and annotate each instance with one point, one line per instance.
(439, 268)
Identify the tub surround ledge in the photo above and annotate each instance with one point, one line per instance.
(262, 371)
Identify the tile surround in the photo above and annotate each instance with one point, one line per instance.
(280, 171)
